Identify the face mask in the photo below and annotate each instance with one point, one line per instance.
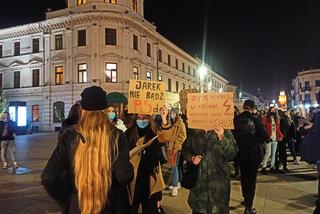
(142, 123)
(173, 116)
(111, 116)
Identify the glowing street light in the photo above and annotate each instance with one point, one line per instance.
(202, 72)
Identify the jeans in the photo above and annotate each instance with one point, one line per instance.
(271, 150)
(176, 172)
(5, 145)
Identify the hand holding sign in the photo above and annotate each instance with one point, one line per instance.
(219, 131)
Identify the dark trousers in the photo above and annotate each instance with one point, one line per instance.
(148, 206)
(248, 182)
(291, 145)
(282, 154)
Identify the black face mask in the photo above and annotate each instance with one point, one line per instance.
(272, 114)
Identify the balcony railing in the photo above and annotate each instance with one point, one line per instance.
(306, 88)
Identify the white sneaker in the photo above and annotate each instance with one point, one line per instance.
(179, 185)
(174, 192)
(170, 187)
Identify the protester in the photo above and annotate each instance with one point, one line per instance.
(113, 117)
(292, 138)
(8, 131)
(90, 165)
(236, 159)
(146, 188)
(250, 135)
(73, 117)
(176, 134)
(272, 125)
(212, 150)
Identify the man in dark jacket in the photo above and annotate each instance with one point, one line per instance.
(8, 130)
(250, 135)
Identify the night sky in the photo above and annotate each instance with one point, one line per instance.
(253, 44)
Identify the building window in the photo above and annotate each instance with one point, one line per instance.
(1, 51)
(189, 86)
(58, 42)
(35, 45)
(307, 99)
(35, 77)
(135, 42)
(1, 79)
(183, 67)
(300, 97)
(317, 83)
(58, 112)
(111, 36)
(183, 86)
(135, 5)
(149, 75)
(169, 60)
(306, 84)
(194, 72)
(135, 73)
(80, 2)
(300, 85)
(111, 72)
(35, 113)
(82, 38)
(169, 84)
(177, 86)
(111, 1)
(160, 78)
(16, 49)
(160, 55)
(148, 49)
(189, 70)
(82, 73)
(16, 79)
(59, 75)
(177, 64)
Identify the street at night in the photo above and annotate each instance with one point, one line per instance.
(22, 192)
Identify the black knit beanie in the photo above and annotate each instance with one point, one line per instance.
(94, 98)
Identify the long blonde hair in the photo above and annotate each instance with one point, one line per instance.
(93, 161)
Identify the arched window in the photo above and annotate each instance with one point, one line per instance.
(111, 1)
(58, 112)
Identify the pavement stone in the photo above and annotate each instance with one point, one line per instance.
(21, 190)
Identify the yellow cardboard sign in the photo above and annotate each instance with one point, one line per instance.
(146, 97)
(208, 110)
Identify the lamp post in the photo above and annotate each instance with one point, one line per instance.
(202, 73)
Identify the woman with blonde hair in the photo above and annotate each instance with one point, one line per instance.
(90, 165)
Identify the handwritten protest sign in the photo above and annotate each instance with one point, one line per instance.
(209, 110)
(146, 97)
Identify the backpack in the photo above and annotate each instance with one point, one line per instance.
(244, 128)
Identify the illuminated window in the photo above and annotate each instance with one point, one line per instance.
(22, 116)
(148, 49)
(80, 2)
(58, 112)
(16, 49)
(82, 73)
(59, 75)
(135, 5)
(35, 113)
(35, 45)
(159, 78)
(111, 1)
(110, 36)
(149, 75)
(58, 42)
(135, 42)
(35, 77)
(111, 72)
(135, 73)
(82, 38)
(16, 79)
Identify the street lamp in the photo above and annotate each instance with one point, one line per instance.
(202, 74)
(209, 86)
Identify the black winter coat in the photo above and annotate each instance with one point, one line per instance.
(12, 129)
(59, 180)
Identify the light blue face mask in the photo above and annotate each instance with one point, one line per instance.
(111, 116)
(142, 123)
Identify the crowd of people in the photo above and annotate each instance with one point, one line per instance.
(104, 163)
